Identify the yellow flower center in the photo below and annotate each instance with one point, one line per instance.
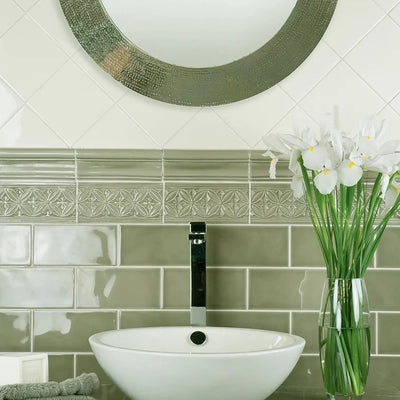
(351, 165)
(325, 172)
(272, 160)
(312, 149)
(396, 190)
(369, 137)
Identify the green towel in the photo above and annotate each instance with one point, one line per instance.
(84, 385)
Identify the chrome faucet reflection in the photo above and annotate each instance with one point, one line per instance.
(197, 237)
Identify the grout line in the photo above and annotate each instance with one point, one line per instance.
(75, 365)
(290, 322)
(247, 288)
(376, 333)
(75, 294)
(161, 288)
(290, 246)
(32, 322)
(118, 319)
(163, 186)
(76, 187)
(32, 245)
(119, 244)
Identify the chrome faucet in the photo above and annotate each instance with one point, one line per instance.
(197, 237)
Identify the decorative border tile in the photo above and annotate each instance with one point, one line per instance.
(209, 202)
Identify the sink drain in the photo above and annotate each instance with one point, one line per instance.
(198, 337)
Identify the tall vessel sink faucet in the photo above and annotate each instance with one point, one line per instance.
(197, 237)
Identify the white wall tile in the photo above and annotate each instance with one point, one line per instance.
(28, 57)
(393, 120)
(376, 50)
(76, 102)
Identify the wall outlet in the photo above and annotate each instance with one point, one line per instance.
(23, 368)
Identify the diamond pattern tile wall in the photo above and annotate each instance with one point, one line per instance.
(74, 102)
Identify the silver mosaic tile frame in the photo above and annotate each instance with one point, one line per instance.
(134, 187)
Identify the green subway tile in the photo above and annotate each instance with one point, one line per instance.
(305, 248)
(55, 202)
(247, 246)
(388, 335)
(119, 164)
(275, 321)
(15, 245)
(305, 324)
(286, 289)
(118, 288)
(383, 290)
(56, 331)
(107, 390)
(61, 367)
(140, 319)
(259, 168)
(387, 256)
(206, 165)
(210, 202)
(226, 288)
(75, 245)
(176, 288)
(155, 245)
(36, 288)
(306, 376)
(15, 330)
(384, 375)
(127, 202)
(274, 203)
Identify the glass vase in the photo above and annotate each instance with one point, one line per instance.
(344, 338)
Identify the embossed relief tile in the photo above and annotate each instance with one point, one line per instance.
(75, 245)
(243, 246)
(15, 245)
(119, 288)
(107, 391)
(141, 319)
(208, 202)
(15, 331)
(285, 289)
(57, 331)
(36, 288)
(275, 321)
(134, 202)
(160, 245)
(275, 203)
(61, 367)
(37, 203)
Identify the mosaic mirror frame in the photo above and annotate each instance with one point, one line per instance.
(228, 83)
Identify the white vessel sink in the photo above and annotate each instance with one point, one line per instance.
(164, 364)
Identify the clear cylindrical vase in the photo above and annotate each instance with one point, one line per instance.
(344, 338)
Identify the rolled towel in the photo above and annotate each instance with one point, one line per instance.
(85, 384)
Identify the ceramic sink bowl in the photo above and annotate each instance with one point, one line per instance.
(164, 363)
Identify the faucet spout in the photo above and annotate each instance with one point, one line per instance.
(197, 237)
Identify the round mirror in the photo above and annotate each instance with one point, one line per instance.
(199, 52)
(205, 33)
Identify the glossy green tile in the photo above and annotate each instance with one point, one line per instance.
(43, 203)
(161, 245)
(36, 288)
(388, 335)
(75, 245)
(274, 203)
(275, 321)
(305, 324)
(305, 248)
(139, 319)
(206, 165)
(383, 290)
(56, 331)
(15, 328)
(37, 164)
(176, 288)
(210, 202)
(15, 245)
(384, 374)
(285, 289)
(127, 202)
(119, 288)
(107, 390)
(247, 246)
(226, 288)
(119, 164)
(387, 255)
(61, 367)
(306, 375)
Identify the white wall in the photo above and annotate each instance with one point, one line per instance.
(53, 95)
